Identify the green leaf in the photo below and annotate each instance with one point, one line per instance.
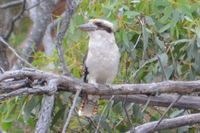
(131, 13)
(164, 28)
(125, 38)
(149, 20)
(6, 125)
(177, 113)
(164, 59)
(180, 41)
(159, 43)
(175, 18)
(169, 71)
(167, 13)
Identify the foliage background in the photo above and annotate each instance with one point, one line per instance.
(145, 30)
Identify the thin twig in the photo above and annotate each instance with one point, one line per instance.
(13, 50)
(146, 105)
(136, 43)
(165, 78)
(92, 122)
(98, 125)
(11, 4)
(71, 111)
(14, 19)
(126, 112)
(170, 106)
(79, 121)
(71, 6)
(175, 101)
(2, 70)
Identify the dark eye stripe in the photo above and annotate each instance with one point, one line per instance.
(103, 27)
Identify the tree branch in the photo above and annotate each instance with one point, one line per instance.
(67, 83)
(167, 124)
(16, 54)
(71, 111)
(70, 9)
(163, 100)
(47, 107)
(40, 16)
(11, 4)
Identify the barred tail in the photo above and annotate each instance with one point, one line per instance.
(88, 106)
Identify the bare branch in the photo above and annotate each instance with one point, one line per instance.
(71, 111)
(15, 52)
(104, 109)
(167, 124)
(163, 100)
(40, 16)
(67, 83)
(14, 19)
(170, 106)
(186, 102)
(47, 107)
(176, 100)
(11, 4)
(22, 92)
(14, 85)
(70, 9)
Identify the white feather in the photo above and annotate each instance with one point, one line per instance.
(102, 63)
(103, 57)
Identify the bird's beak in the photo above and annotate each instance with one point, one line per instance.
(87, 27)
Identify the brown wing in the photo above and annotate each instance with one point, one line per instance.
(85, 72)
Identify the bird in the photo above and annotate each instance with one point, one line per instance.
(101, 62)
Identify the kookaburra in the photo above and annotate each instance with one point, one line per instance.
(102, 60)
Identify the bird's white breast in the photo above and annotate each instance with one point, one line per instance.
(103, 57)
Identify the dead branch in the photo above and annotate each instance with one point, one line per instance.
(41, 16)
(71, 6)
(14, 19)
(11, 4)
(47, 107)
(15, 52)
(71, 111)
(163, 100)
(8, 83)
(66, 83)
(167, 124)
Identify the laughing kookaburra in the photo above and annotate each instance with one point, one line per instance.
(102, 60)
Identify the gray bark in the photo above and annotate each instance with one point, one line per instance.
(5, 19)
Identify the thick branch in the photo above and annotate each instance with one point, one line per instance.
(72, 84)
(22, 92)
(47, 107)
(167, 124)
(164, 100)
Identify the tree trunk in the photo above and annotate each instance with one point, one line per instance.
(5, 19)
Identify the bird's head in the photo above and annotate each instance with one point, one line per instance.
(97, 25)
